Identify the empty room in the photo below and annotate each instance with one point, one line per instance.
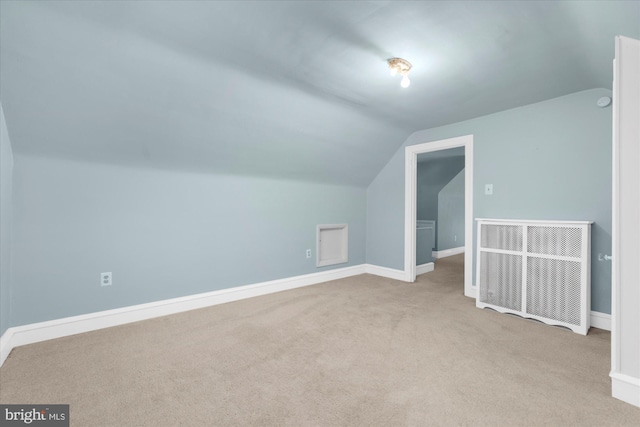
(320, 213)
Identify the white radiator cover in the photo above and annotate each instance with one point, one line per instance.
(536, 269)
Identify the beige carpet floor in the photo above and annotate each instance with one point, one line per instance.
(362, 351)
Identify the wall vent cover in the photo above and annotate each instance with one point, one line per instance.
(332, 245)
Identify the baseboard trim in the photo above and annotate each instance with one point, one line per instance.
(42, 331)
(448, 252)
(625, 388)
(6, 344)
(471, 293)
(424, 268)
(390, 273)
(600, 320)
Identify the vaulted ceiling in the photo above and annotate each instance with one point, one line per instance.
(287, 89)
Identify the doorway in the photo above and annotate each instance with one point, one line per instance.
(411, 166)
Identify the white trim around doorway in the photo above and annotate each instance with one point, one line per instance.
(411, 166)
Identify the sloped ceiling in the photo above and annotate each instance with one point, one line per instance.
(441, 154)
(287, 89)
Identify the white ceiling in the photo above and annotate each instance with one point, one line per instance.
(286, 89)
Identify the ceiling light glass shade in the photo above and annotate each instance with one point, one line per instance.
(402, 67)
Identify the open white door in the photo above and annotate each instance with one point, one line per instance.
(625, 301)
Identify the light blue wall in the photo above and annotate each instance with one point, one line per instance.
(162, 234)
(424, 245)
(6, 183)
(431, 177)
(550, 160)
(167, 234)
(385, 215)
(450, 224)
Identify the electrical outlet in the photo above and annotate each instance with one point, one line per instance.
(455, 238)
(488, 189)
(308, 253)
(105, 279)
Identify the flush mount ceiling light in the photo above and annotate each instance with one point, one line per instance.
(402, 67)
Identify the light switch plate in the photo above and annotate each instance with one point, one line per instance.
(488, 189)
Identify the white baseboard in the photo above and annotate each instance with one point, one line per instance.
(625, 388)
(390, 273)
(600, 320)
(447, 252)
(42, 331)
(424, 268)
(6, 344)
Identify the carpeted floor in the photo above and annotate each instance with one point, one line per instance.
(359, 351)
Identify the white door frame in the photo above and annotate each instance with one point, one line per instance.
(410, 186)
(625, 230)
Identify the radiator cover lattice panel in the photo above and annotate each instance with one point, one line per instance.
(561, 241)
(536, 269)
(507, 237)
(553, 289)
(501, 280)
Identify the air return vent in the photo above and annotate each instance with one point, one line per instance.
(332, 244)
(536, 269)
